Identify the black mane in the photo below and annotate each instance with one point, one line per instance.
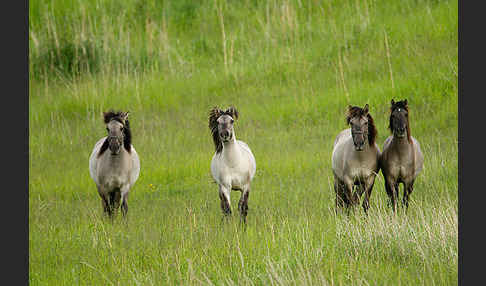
(356, 111)
(404, 105)
(214, 114)
(118, 116)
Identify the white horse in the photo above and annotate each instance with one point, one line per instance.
(355, 158)
(233, 165)
(114, 171)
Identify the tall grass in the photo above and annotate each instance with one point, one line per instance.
(291, 68)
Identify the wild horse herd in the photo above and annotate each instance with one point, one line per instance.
(356, 160)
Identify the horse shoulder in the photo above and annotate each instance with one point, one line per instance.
(216, 168)
(341, 154)
(251, 157)
(342, 135)
(93, 159)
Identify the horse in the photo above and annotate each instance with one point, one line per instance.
(401, 160)
(114, 164)
(233, 165)
(355, 158)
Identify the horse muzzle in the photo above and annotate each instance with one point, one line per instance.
(225, 136)
(114, 145)
(358, 140)
(400, 133)
(359, 147)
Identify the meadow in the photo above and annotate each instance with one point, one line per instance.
(291, 68)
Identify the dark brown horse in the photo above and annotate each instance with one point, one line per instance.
(355, 159)
(401, 160)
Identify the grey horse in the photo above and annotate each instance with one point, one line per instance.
(355, 158)
(233, 164)
(114, 164)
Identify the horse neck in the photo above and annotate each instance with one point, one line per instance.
(231, 152)
(401, 144)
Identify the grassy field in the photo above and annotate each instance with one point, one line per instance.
(290, 68)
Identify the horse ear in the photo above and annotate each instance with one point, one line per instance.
(233, 112)
(406, 103)
(214, 114)
(124, 116)
(366, 109)
(392, 102)
(106, 116)
(349, 107)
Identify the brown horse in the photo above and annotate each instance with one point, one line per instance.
(401, 160)
(355, 159)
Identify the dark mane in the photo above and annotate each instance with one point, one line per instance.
(111, 115)
(118, 116)
(104, 147)
(400, 104)
(356, 111)
(214, 114)
(127, 141)
(372, 131)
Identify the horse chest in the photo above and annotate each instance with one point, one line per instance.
(361, 167)
(360, 172)
(400, 165)
(235, 176)
(112, 177)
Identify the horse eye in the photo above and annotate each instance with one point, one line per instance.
(121, 128)
(232, 121)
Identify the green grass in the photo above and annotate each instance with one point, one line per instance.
(291, 68)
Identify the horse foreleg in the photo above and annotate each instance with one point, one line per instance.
(391, 190)
(407, 190)
(348, 194)
(105, 201)
(124, 204)
(367, 191)
(106, 205)
(243, 204)
(224, 196)
(341, 199)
